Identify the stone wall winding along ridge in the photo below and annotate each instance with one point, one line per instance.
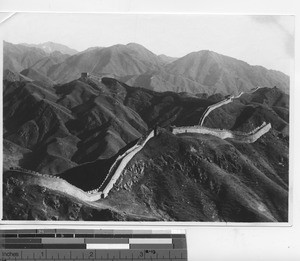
(58, 184)
(226, 134)
(119, 165)
(210, 108)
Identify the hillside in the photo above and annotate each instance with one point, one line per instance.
(38, 77)
(210, 72)
(190, 178)
(200, 177)
(11, 76)
(39, 203)
(82, 121)
(224, 74)
(17, 57)
(118, 60)
(77, 130)
(247, 111)
(31, 59)
(68, 124)
(119, 133)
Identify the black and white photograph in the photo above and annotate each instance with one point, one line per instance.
(147, 117)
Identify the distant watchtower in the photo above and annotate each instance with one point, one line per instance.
(84, 75)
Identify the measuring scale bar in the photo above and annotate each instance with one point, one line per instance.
(72, 245)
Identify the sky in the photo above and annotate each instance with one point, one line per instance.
(258, 40)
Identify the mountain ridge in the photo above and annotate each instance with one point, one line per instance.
(77, 130)
(197, 72)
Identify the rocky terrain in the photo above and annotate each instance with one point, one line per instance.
(75, 130)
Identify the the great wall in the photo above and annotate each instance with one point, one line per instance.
(119, 165)
(58, 184)
(212, 107)
(61, 185)
(226, 134)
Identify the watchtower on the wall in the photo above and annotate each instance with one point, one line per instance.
(84, 75)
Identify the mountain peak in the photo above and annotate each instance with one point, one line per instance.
(132, 44)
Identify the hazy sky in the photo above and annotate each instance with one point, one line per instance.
(258, 40)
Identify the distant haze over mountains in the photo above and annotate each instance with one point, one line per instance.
(198, 72)
(50, 47)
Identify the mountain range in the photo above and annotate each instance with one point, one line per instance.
(198, 72)
(60, 126)
(77, 130)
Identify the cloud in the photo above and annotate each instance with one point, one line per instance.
(275, 20)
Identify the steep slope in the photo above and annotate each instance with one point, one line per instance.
(202, 178)
(73, 123)
(224, 74)
(38, 77)
(11, 76)
(46, 64)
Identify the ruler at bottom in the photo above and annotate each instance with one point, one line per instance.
(108, 245)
